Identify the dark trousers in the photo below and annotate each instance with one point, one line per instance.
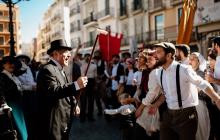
(179, 124)
(30, 112)
(130, 89)
(127, 133)
(101, 88)
(140, 134)
(87, 96)
(214, 115)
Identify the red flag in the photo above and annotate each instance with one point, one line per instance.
(109, 45)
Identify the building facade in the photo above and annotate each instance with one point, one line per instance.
(4, 29)
(141, 22)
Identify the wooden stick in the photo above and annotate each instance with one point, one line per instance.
(90, 58)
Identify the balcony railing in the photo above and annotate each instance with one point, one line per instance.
(175, 2)
(88, 43)
(125, 41)
(56, 34)
(75, 28)
(155, 5)
(74, 11)
(55, 18)
(6, 17)
(90, 19)
(106, 12)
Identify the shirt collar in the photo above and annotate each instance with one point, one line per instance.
(115, 65)
(58, 64)
(171, 66)
(7, 73)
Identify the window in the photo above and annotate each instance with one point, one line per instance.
(159, 25)
(137, 4)
(216, 0)
(91, 38)
(1, 40)
(1, 53)
(1, 13)
(1, 27)
(107, 7)
(180, 10)
(123, 7)
(78, 25)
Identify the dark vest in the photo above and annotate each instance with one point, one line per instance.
(101, 68)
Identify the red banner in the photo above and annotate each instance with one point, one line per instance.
(109, 45)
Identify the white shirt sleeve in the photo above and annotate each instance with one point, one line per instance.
(124, 110)
(196, 79)
(121, 81)
(154, 88)
(76, 85)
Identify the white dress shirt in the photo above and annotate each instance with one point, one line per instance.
(137, 78)
(185, 61)
(130, 77)
(114, 74)
(217, 73)
(123, 110)
(92, 70)
(189, 81)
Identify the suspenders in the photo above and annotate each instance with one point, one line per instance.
(177, 85)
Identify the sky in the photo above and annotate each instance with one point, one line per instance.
(31, 14)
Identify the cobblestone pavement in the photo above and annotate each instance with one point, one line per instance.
(97, 130)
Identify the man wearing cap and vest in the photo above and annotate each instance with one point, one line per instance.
(178, 83)
(55, 94)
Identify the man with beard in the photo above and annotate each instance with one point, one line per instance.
(117, 80)
(182, 53)
(215, 80)
(180, 118)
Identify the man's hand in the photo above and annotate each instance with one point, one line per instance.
(139, 111)
(209, 78)
(82, 82)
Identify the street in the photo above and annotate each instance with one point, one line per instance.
(97, 130)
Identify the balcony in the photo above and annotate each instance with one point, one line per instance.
(175, 2)
(125, 41)
(105, 14)
(88, 43)
(55, 18)
(90, 21)
(6, 18)
(75, 28)
(56, 34)
(142, 37)
(74, 11)
(156, 5)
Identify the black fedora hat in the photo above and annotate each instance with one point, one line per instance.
(58, 45)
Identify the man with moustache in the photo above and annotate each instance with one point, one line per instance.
(55, 94)
(180, 118)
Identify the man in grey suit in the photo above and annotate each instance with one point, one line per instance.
(56, 94)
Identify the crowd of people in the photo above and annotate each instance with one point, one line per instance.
(167, 92)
